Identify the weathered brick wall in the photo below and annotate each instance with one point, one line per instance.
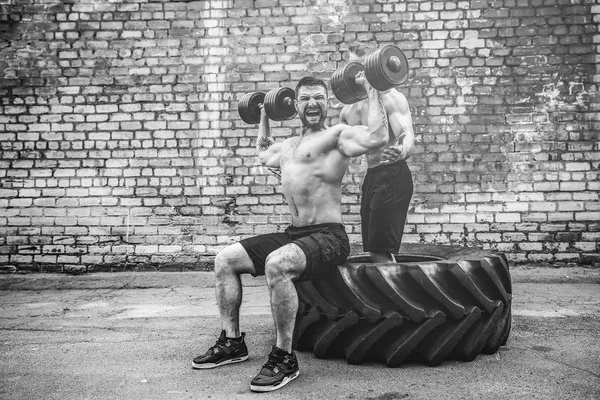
(121, 147)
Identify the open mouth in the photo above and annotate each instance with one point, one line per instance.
(313, 113)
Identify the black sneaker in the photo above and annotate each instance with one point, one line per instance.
(225, 351)
(280, 369)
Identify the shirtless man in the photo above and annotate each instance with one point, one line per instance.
(387, 187)
(312, 167)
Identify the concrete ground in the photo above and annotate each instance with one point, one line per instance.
(133, 336)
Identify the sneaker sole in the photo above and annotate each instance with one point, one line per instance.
(214, 365)
(284, 382)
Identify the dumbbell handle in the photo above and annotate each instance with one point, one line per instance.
(393, 63)
(278, 105)
(287, 100)
(385, 68)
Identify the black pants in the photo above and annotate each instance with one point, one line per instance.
(386, 193)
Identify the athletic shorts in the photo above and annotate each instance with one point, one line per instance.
(386, 193)
(324, 245)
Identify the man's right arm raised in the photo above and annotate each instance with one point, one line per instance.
(268, 151)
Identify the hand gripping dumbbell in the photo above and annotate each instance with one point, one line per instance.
(384, 68)
(278, 103)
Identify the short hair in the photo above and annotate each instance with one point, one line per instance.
(361, 49)
(310, 81)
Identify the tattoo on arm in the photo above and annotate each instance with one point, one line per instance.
(265, 142)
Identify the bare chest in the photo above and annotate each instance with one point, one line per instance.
(301, 152)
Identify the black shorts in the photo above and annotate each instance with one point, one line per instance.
(386, 193)
(324, 245)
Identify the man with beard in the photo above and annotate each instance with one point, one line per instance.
(388, 186)
(312, 166)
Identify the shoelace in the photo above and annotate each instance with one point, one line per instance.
(220, 344)
(273, 361)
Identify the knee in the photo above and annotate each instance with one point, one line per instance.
(278, 267)
(223, 262)
(272, 269)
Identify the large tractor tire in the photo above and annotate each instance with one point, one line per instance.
(434, 303)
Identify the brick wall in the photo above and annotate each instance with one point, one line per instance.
(121, 147)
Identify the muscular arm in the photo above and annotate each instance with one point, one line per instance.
(358, 140)
(268, 150)
(398, 112)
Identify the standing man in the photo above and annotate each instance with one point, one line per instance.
(312, 166)
(387, 187)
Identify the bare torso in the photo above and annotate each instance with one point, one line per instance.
(312, 169)
(313, 165)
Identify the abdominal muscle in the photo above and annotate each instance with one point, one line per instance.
(374, 157)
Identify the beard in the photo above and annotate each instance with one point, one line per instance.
(313, 118)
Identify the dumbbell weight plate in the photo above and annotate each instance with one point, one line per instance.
(249, 109)
(343, 84)
(279, 104)
(386, 67)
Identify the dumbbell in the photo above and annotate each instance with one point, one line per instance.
(384, 68)
(278, 103)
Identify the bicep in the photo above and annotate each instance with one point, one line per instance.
(354, 141)
(270, 157)
(401, 125)
(399, 116)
